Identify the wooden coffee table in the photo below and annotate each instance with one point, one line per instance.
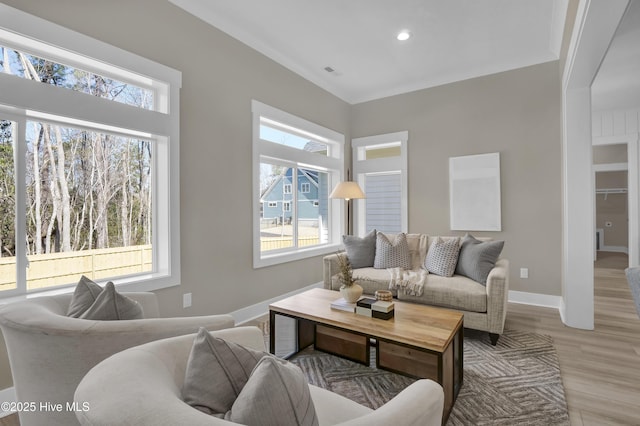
(420, 341)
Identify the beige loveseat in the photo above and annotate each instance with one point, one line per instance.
(143, 386)
(484, 306)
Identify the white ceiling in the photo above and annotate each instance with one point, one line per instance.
(452, 40)
(617, 84)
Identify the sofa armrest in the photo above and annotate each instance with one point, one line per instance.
(497, 296)
(421, 403)
(331, 266)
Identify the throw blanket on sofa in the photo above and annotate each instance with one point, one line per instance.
(409, 282)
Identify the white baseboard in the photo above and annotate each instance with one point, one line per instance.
(616, 249)
(261, 308)
(535, 299)
(7, 395)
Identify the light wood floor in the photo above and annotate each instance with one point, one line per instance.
(600, 369)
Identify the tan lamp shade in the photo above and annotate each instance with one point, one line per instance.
(347, 190)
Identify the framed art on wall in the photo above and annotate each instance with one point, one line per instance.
(474, 193)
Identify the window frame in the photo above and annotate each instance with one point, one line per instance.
(274, 153)
(304, 185)
(362, 167)
(26, 100)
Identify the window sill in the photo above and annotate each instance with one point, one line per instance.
(276, 259)
(131, 284)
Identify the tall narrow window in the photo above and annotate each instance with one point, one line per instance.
(380, 167)
(8, 132)
(89, 142)
(296, 165)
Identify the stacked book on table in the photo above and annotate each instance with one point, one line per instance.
(368, 307)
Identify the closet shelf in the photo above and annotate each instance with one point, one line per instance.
(607, 191)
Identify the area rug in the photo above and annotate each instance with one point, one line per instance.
(516, 382)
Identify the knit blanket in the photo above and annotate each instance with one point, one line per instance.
(408, 282)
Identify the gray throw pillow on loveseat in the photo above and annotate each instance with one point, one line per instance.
(360, 251)
(477, 258)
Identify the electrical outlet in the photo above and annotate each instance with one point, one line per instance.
(186, 300)
(524, 272)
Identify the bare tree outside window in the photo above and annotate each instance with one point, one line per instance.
(86, 190)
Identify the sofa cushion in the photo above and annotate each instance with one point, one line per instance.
(370, 279)
(477, 258)
(111, 306)
(360, 251)
(392, 254)
(216, 372)
(442, 257)
(276, 394)
(455, 292)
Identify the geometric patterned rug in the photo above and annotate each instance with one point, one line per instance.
(516, 382)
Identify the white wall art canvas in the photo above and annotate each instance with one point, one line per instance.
(474, 192)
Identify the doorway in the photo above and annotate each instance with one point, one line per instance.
(611, 213)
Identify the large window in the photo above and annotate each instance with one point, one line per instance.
(380, 167)
(88, 161)
(296, 164)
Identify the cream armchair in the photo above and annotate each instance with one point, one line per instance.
(49, 352)
(142, 386)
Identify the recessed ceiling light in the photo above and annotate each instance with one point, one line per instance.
(403, 35)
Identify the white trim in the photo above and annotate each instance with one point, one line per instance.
(611, 167)
(383, 139)
(259, 309)
(633, 187)
(290, 256)
(7, 395)
(74, 44)
(332, 164)
(613, 140)
(595, 26)
(395, 164)
(535, 299)
(24, 100)
(558, 19)
(326, 135)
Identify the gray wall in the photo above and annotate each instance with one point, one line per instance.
(516, 113)
(220, 77)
